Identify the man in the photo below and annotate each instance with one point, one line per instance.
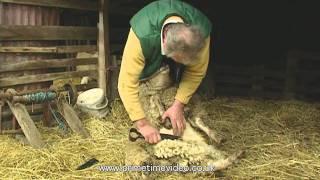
(168, 28)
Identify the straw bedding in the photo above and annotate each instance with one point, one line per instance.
(281, 138)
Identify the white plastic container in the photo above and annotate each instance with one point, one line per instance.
(93, 102)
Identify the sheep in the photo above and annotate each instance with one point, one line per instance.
(156, 94)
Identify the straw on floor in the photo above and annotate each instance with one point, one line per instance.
(281, 138)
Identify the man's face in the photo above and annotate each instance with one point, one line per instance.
(178, 57)
(181, 58)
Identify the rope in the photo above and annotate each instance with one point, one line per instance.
(59, 119)
(40, 97)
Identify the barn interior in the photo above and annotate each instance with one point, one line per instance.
(261, 89)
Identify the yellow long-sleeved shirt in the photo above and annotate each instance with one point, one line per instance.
(133, 64)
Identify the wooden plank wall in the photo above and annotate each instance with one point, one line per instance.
(59, 68)
(16, 32)
(91, 5)
(252, 81)
(303, 75)
(300, 79)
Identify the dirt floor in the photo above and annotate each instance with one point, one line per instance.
(281, 139)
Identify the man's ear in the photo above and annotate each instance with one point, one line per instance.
(164, 42)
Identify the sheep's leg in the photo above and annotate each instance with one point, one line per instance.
(212, 134)
(224, 163)
(157, 101)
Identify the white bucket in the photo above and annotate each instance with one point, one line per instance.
(93, 102)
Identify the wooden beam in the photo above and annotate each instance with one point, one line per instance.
(79, 87)
(59, 49)
(113, 83)
(32, 109)
(55, 49)
(106, 13)
(247, 71)
(236, 80)
(72, 4)
(315, 56)
(309, 90)
(232, 69)
(102, 73)
(38, 108)
(125, 11)
(19, 32)
(27, 125)
(232, 90)
(75, 49)
(314, 74)
(45, 64)
(73, 120)
(273, 84)
(37, 78)
(84, 87)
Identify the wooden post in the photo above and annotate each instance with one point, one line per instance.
(115, 70)
(1, 104)
(292, 64)
(14, 122)
(101, 50)
(106, 11)
(46, 114)
(257, 81)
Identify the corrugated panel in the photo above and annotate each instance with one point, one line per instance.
(15, 14)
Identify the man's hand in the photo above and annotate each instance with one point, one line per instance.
(175, 113)
(150, 134)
